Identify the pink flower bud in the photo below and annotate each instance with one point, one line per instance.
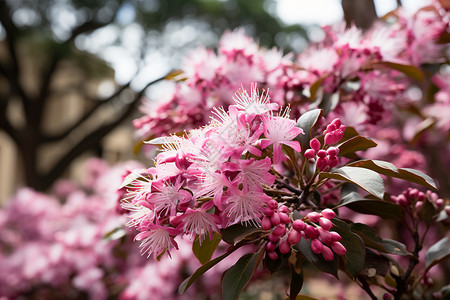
(325, 224)
(294, 237)
(336, 122)
(387, 296)
(270, 247)
(313, 216)
(266, 223)
(283, 209)
(327, 253)
(272, 255)
(333, 161)
(268, 211)
(333, 151)
(439, 203)
(328, 213)
(284, 218)
(322, 163)
(413, 193)
(299, 225)
(284, 247)
(280, 230)
(310, 153)
(272, 204)
(324, 236)
(401, 199)
(274, 238)
(421, 196)
(275, 219)
(311, 232)
(316, 246)
(335, 237)
(315, 144)
(338, 248)
(419, 205)
(329, 138)
(322, 153)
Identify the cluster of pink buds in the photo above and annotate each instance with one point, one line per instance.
(286, 233)
(415, 197)
(334, 133)
(325, 159)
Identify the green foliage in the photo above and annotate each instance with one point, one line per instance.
(307, 122)
(237, 277)
(205, 250)
(353, 259)
(368, 180)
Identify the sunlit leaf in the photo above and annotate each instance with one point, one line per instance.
(354, 201)
(438, 252)
(409, 70)
(115, 234)
(204, 251)
(237, 277)
(395, 247)
(306, 122)
(357, 143)
(329, 102)
(366, 179)
(388, 169)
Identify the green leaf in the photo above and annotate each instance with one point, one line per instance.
(115, 234)
(366, 179)
(329, 102)
(418, 177)
(427, 212)
(395, 247)
(438, 252)
(199, 272)
(354, 201)
(409, 70)
(372, 240)
(306, 122)
(356, 252)
(237, 277)
(317, 260)
(357, 143)
(204, 251)
(296, 283)
(235, 233)
(388, 169)
(315, 86)
(376, 264)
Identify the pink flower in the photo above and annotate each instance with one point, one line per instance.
(244, 207)
(167, 196)
(280, 130)
(197, 222)
(157, 239)
(253, 173)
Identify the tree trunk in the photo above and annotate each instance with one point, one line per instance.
(361, 13)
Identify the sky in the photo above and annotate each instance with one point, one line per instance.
(313, 12)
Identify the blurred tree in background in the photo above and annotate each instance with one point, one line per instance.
(54, 56)
(41, 63)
